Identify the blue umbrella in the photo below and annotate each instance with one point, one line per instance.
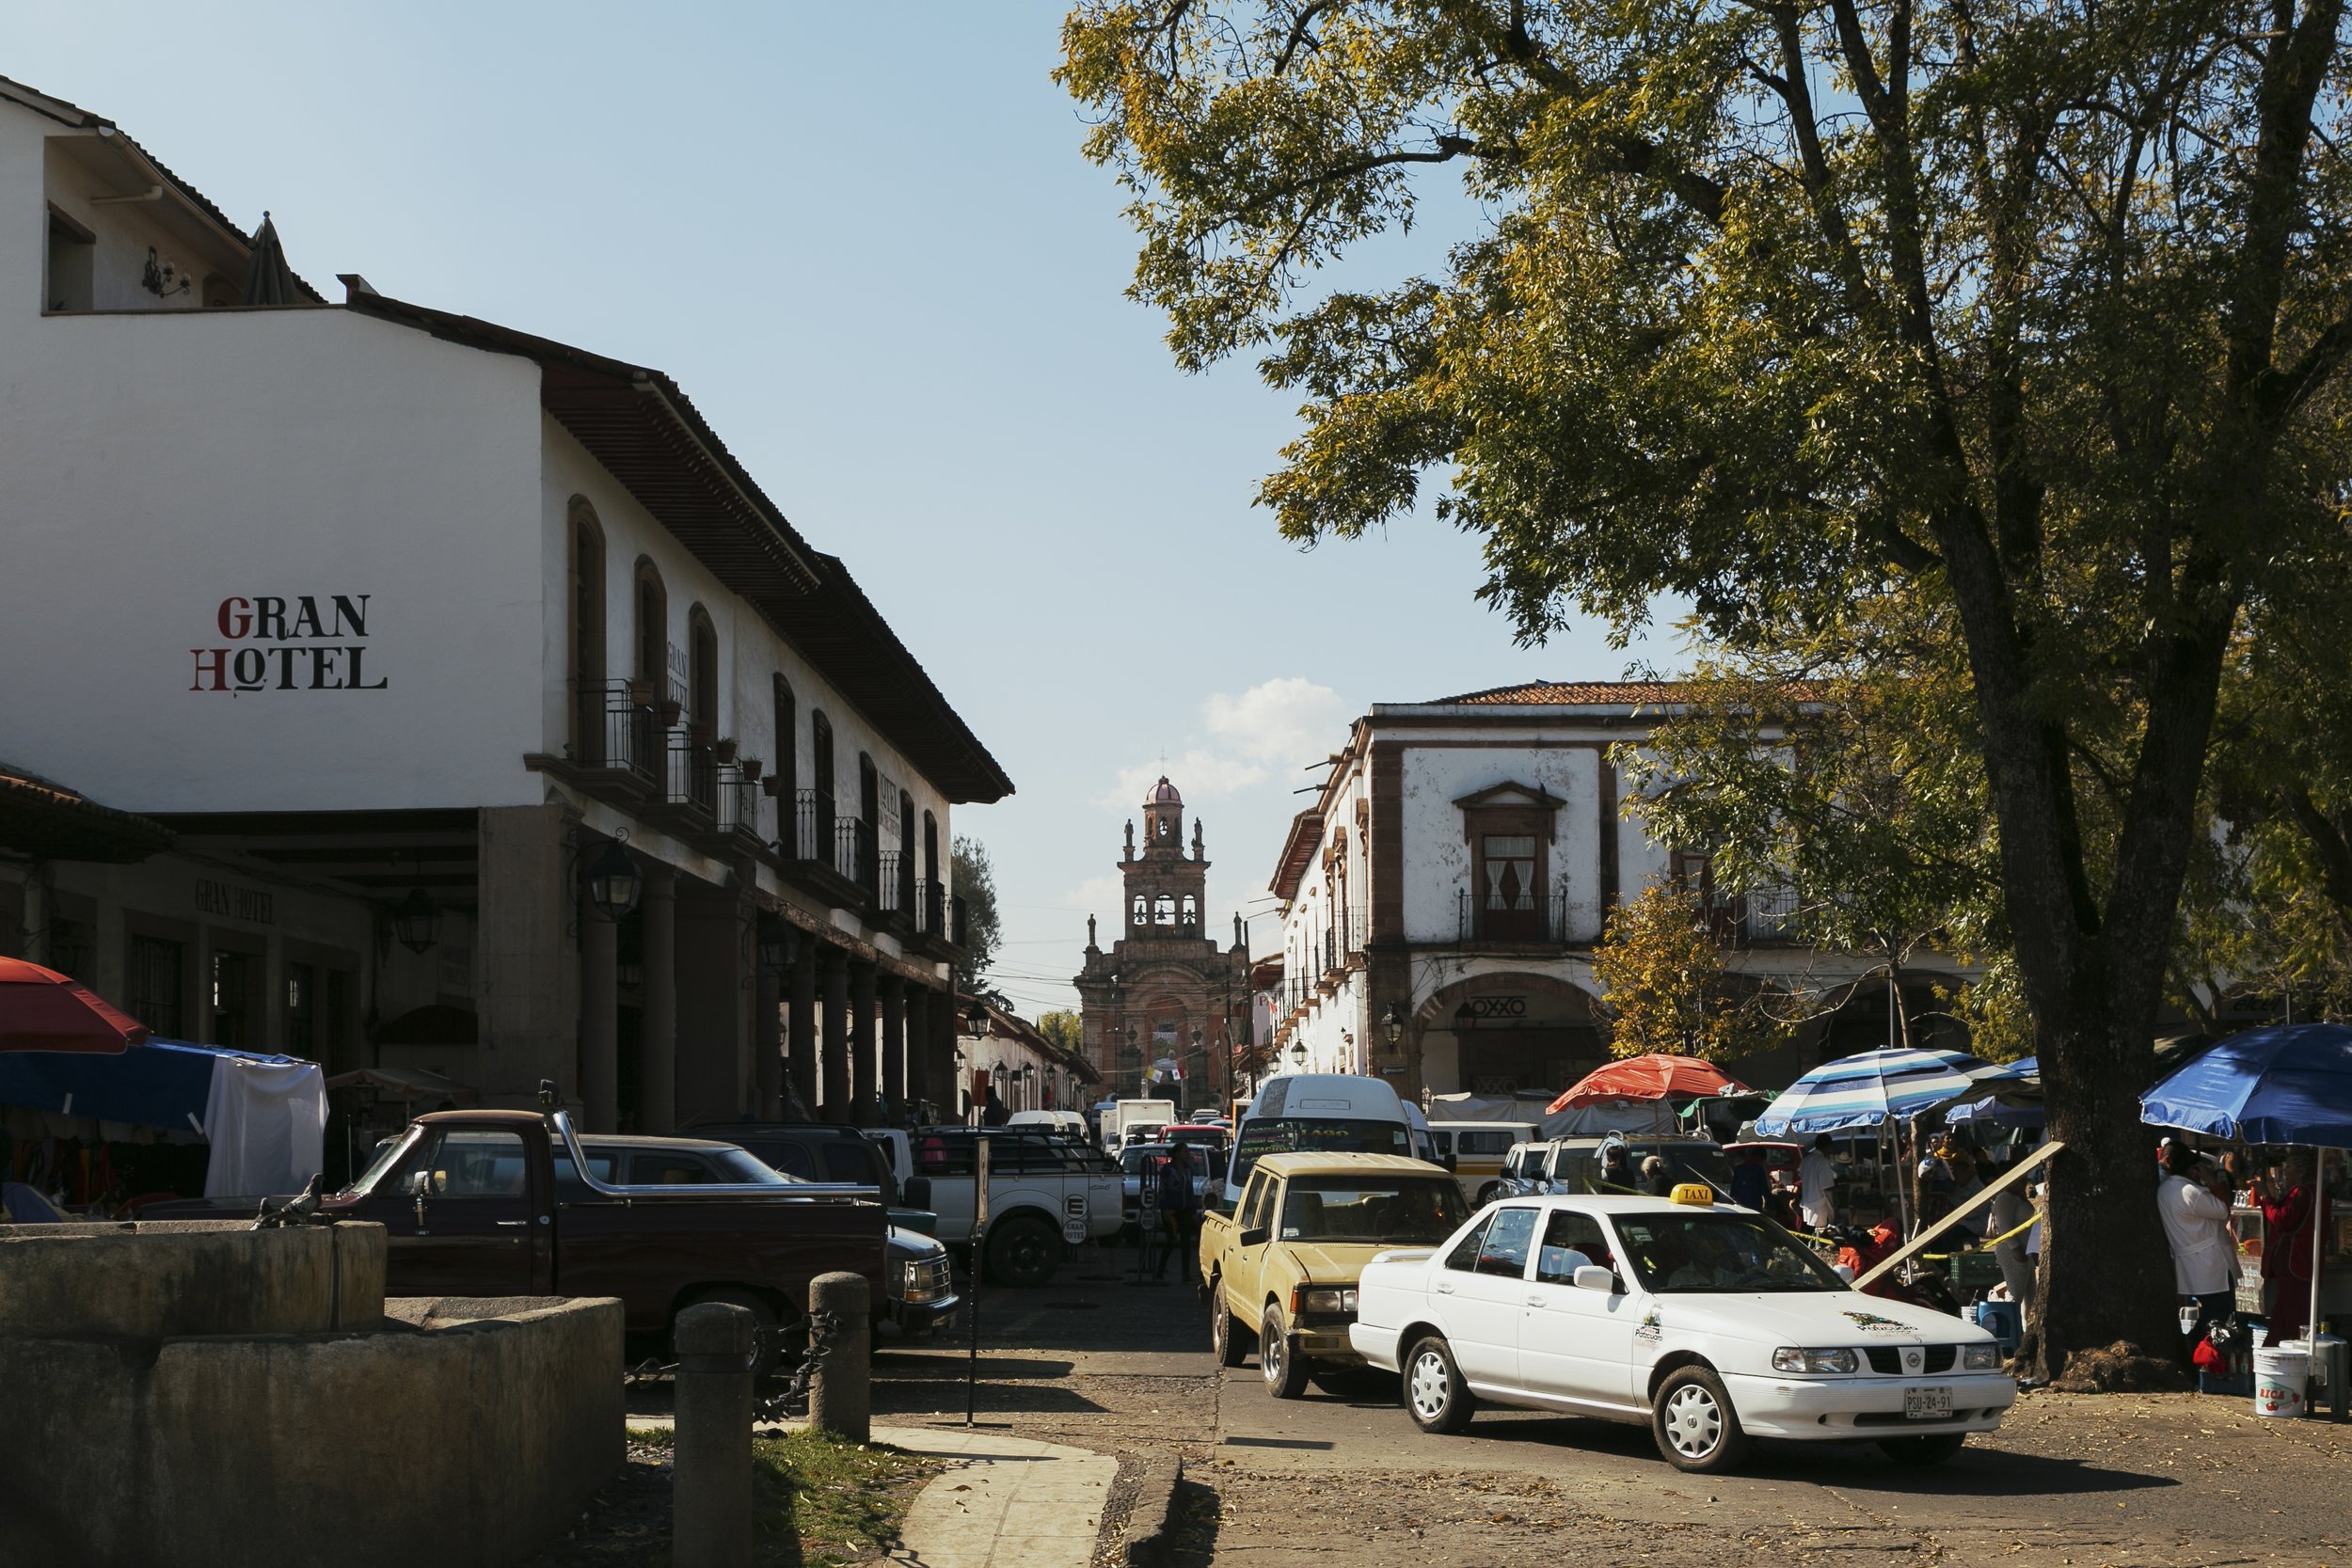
(1867, 1090)
(2288, 1085)
(2025, 1070)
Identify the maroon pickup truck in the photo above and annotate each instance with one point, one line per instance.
(495, 1203)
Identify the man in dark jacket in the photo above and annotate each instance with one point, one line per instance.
(1179, 1205)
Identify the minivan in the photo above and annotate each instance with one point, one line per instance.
(1476, 1151)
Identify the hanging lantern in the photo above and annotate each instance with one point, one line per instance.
(416, 922)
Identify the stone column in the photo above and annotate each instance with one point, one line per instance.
(525, 990)
(656, 1051)
(862, 1084)
(835, 1088)
(801, 1033)
(894, 1050)
(919, 1044)
(599, 1021)
(766, 1043)
(945, 1089)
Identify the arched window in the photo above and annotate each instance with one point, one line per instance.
(702, 680)
(1163, 909)
(821, 784)
(1142, 914)
(1191, 913)
(869, 822)
(587, 640)
(652, 632)
(788, 766)
(906, 853)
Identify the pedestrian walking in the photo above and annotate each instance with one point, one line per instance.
(1179, 1207)
(1657, 1181)
(1816, 1182)
(2196, 1223)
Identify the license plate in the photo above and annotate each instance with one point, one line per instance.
(1926, 1404)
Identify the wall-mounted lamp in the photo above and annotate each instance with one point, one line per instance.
(614, 881)
(1392, 1024)
(775, 948)
(1299, 1055)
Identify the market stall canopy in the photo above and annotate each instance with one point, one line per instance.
(2287, 1085)
(406, 1084)
(43, 1011)
(1656, 1076)
(1867, 1089)
(265, 1117)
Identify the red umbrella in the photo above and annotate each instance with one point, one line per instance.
(43, 1011)
(1652, 1077)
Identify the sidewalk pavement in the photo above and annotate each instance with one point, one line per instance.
(1008, 1502)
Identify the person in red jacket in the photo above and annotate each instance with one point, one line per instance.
(2288, 1206)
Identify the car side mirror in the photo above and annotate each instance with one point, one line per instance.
(1591, 1277)
(420, 1183)
(1257, 1235)
(1448, 1160)
(918, 1192)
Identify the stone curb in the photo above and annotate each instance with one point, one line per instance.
(1149, 1540)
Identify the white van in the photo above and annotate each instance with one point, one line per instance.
(1062, 1124)
(1323, 1112)
(1475, 1152)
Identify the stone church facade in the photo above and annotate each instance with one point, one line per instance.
(1163, 1005)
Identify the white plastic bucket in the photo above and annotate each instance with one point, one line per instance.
(2279, 1376)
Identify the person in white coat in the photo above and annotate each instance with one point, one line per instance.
(2197, 1224)
(1817, 1178)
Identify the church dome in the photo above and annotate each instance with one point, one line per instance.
(1162, 794)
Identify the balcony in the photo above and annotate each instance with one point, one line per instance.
(692, 781)
(812, 849)
(856, 857)
(1529, 920)
(893, 879)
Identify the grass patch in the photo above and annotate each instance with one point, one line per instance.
(826, 1502)
(817, 1503)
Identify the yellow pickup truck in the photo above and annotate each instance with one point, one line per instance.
(1281, 1269)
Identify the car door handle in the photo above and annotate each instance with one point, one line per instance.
(1443, 1287)
(1534, 1301)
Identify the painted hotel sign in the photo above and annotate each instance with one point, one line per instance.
(305, 643)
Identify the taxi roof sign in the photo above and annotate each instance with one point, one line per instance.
(1692, 1192)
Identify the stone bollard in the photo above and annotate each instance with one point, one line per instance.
(710, 1506)
(841, 1395)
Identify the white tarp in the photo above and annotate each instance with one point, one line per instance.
(266, 1122)
(1641, 1117)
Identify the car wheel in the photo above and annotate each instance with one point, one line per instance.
(1488, 1192)
(1023, 1251)
(1933, 1448)
(1694, 1424)
(1434, 1395)
(771, 1339)
(1225, 1336)
(1286, 1369)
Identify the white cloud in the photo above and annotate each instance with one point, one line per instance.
(1273, 728)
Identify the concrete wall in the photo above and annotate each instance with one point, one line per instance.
(459, 1444)
(163, 1277)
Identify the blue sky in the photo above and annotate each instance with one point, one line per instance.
(865, 241)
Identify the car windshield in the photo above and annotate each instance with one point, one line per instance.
(386, 1152)
(1722, 1252)
(1261, 1136)
(1402, 1211)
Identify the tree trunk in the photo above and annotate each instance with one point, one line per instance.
(2106, 1270)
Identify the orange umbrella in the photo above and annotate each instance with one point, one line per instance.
(43, 1011)
(1657, 1076)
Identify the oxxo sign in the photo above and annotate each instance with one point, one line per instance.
(288, 644)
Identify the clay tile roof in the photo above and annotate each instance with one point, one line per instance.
(44, 818)
(1569, 695)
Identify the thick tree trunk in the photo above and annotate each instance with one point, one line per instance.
(2106, 1271)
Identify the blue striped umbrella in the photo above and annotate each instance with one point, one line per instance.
(1866, 1090)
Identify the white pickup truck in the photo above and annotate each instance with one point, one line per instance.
(1044, 1194)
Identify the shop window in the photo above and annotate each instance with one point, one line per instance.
(302, 1011)
(233, 998)
(157, 974)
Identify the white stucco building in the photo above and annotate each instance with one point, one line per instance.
(1447, 885)
(362, 598)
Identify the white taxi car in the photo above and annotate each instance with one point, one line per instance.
(1706, 1320)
